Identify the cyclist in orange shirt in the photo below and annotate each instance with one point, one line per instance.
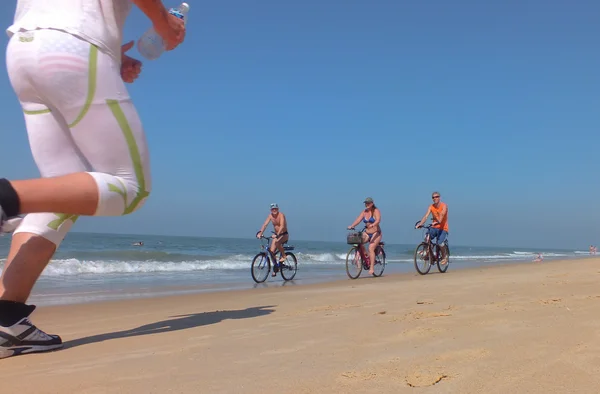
(439, 227)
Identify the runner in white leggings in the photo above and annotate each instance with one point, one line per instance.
(79, 118)
(67, 69)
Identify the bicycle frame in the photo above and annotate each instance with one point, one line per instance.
(363, 253)
(427, 237)
(360, 252)
(434, 252)
(268, 259)
(267, 248)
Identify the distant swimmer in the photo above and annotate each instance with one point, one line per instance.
(68, 68)
(439, 227)
(140, 243)
(281, 235)
(539, 258)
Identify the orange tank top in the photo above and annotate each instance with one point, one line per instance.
(436, 213)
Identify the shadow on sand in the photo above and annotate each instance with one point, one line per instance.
(178, 322)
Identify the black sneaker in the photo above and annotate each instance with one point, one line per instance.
(9, 225)
(23, 337)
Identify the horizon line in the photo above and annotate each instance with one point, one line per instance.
(304, 240)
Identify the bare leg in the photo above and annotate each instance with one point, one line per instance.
(29, 254)
(280, 243)
(372, 246)
(273, 249)
(72, 194)
(443, 257)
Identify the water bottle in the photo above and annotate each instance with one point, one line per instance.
(151, 45)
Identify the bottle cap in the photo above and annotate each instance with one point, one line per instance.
(184, 7)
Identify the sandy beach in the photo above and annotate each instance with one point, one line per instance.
(518, 328)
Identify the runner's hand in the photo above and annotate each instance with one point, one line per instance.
(130, 67)
(172, 32)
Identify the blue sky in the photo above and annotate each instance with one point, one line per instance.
(318, 104)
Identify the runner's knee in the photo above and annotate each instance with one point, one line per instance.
(119, 195)
(51, 226)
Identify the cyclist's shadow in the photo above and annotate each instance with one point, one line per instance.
(178, 322)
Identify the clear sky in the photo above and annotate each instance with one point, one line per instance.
(318, 104)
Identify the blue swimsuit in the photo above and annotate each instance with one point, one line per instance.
(371, 220)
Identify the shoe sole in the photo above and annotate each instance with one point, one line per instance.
(18, 350)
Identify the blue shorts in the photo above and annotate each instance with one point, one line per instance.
(437, 233)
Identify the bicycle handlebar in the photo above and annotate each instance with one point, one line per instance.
(354, 228)
(424, 226)
(263, 237)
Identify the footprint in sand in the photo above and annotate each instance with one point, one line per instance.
(507, 306)
(425, 378)
(550, 301)
(390, 371)
(462, 355)
(352, 375)
(426, 372)
(418, 315)
(286, 350)
(433, 372)
(425, 302)
(420, 332)
(558, 275)
(324, 308)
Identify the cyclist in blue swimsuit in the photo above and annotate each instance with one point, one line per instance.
(371, 217)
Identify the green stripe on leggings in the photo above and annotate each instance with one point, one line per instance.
(92, 73)
(133, 152)
(62, 217)
(38, 112)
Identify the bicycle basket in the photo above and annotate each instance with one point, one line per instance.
(354, 237)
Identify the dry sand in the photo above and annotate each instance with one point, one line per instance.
(519, 328)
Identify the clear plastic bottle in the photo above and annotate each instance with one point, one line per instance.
(151, 45)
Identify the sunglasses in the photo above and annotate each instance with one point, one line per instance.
(434, 197)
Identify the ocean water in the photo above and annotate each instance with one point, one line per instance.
(93, 267)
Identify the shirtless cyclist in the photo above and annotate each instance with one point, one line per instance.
(281, 235)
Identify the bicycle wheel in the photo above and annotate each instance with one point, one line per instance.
(353, 263)
(444, 268)
(290, 267)
(261, 266)
(379, 262)
(422, 259)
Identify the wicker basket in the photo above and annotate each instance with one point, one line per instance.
(353, 238)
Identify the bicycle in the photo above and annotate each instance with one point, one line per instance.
(425, 252)
(357, 260)
(261, 264)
